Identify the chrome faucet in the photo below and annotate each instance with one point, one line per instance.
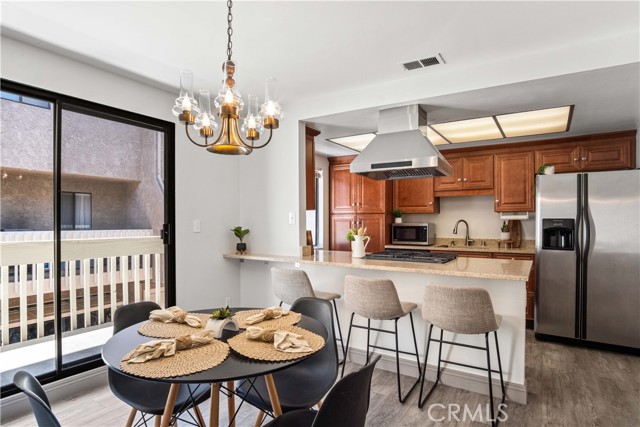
(467, 240)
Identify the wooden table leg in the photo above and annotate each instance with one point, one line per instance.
(171, 402)
(214, 413)
(231, 403)
(199, 416)
(273, 395)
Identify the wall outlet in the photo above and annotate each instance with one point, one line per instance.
(227, 302)
(292, 218)
(196, 225)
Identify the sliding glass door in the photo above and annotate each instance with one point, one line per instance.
(97, 222)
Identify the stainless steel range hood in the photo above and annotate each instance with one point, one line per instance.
(401, 150)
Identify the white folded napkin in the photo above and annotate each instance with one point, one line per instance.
(266, 314)
(166, 348)
(285, 341)
(176, 315)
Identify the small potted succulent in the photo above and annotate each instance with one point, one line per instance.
(546, 169)
(221, 318)
(397, 214)
(504, 231)
(240, 233)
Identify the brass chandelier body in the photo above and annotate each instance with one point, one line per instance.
(229, 103)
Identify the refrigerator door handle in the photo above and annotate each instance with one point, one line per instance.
(585, 254)
(579, 252)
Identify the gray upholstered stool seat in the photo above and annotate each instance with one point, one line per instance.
(291, 284)
(461, 310)
(378, 299)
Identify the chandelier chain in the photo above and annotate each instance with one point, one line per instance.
(229, 29)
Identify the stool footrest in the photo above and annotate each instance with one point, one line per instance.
(468, 366)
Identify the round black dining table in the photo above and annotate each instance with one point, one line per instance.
(234, 367)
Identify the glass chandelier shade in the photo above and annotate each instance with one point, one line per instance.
(229, 104)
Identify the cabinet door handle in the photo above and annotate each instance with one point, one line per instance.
(353, 204)
(575, 159)
(459, 179)
(465, 180)
(584, 159)
(430, 203)
(497, 201)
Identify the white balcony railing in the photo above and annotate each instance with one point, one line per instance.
(98, 275)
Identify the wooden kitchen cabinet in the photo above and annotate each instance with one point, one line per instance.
(514, 181)
(353, 193)
(472, 174)
(531, 282)
(415, 196)
(357, 201)
(310, 167)
(592, 155)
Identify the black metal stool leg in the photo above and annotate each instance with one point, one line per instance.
(346, 349)
(335, 309)
(424, 372)
(400, 397)
(504, 393)
(486, 340)
(368, 334)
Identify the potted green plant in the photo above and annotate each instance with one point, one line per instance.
(240, 233)
(504, 231)
(546, 169)
(397, 214)
(220, 319)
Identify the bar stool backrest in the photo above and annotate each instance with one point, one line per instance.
(289, 284)
(459, 309)
(372, 298)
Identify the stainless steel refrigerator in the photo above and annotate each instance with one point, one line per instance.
(588, 257)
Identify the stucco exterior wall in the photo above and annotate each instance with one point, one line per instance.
(114, 162)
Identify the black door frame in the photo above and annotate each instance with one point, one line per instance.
(62, 102)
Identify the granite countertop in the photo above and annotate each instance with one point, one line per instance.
(484, 268)
(527, 247)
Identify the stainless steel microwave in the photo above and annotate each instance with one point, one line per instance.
(407, 233)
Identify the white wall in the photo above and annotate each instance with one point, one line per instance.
(207, 186)
(484, 223)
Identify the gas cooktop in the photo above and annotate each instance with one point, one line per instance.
(412, 256)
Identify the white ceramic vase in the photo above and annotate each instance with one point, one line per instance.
(505, 235)
(398, 220)
(218, 325)
(359, 245)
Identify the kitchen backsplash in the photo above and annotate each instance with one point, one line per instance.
(477, 211)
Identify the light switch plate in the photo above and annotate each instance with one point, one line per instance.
(292, 218)
(196, 225)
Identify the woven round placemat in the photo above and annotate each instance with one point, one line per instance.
(155, 329)
(184, 362)
(290, 319)
(260, 350)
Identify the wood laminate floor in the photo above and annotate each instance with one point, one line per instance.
(568, 386)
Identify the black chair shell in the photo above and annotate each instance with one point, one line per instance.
(302, 385)
(145, 395)
(37, 399)
(346, 404)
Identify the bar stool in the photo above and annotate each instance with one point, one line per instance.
(461, 310)
(378, 299)
(291, 284)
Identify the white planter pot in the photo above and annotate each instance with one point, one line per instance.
(217, 326)
(550, 170)
(505, 235)
(398, 220)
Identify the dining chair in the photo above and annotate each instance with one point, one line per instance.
(37, 398)
(346, 404)
(147, 396)
(304, 384)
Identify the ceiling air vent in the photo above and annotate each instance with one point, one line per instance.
(423, 63)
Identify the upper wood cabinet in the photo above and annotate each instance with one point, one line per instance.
(514, 181)
(472, 174)
(415, 196)
(598, 153)
(352, 193)
(310, 166)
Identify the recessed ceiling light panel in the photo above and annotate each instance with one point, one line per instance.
(435, 138)
(480, 129)
(537, 122)
(354, 142)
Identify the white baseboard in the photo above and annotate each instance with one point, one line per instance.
(17, 405)
(454, 378)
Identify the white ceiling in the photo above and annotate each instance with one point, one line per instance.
(317, 47)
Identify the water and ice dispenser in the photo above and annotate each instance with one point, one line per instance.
(558, 234)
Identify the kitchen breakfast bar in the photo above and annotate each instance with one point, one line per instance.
(504, 279)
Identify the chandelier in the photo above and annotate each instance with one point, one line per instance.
(229, 104)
